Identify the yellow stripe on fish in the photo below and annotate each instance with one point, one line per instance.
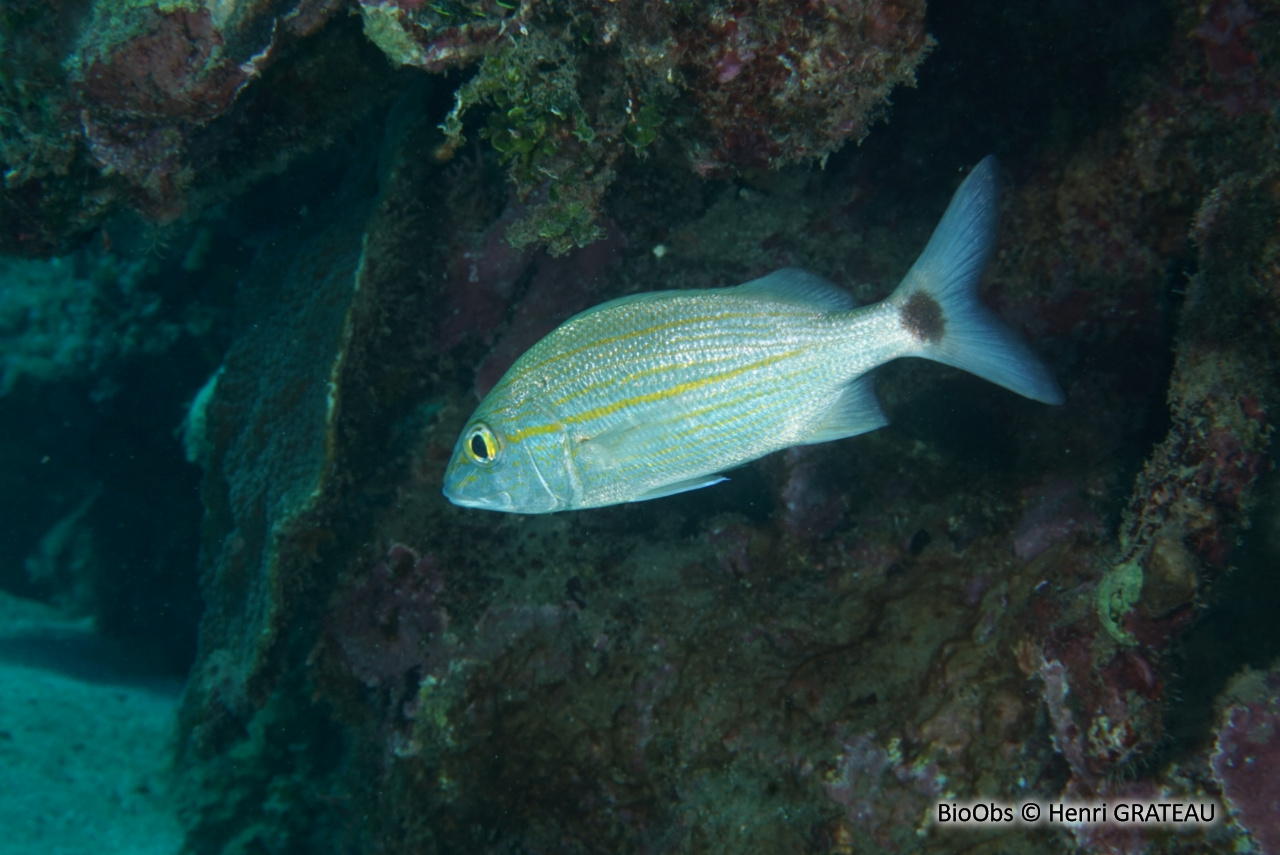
(659, 393)
(540, 368)
(629, 378)
(671, 392)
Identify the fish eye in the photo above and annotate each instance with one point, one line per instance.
(481, 445)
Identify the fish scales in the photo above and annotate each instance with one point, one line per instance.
(659, 393)
(726, 368)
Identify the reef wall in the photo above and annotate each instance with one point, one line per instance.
(808, 658)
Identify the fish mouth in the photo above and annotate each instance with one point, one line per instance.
(500, 502)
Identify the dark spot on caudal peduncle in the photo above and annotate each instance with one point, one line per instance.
(922, 317)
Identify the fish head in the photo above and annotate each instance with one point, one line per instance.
(517, 465)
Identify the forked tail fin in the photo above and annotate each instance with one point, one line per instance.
(938, 298)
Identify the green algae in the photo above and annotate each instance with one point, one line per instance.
(1119, 592)
(541, 130)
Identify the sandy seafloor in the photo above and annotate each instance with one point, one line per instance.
(86, 731)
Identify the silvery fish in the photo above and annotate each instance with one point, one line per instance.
(659, 393)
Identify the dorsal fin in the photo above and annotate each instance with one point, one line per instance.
(800, 288)
(642, 297)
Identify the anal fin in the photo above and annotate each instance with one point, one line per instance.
(854, 412)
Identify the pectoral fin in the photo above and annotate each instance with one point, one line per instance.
(610, 445)
(679, 487)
